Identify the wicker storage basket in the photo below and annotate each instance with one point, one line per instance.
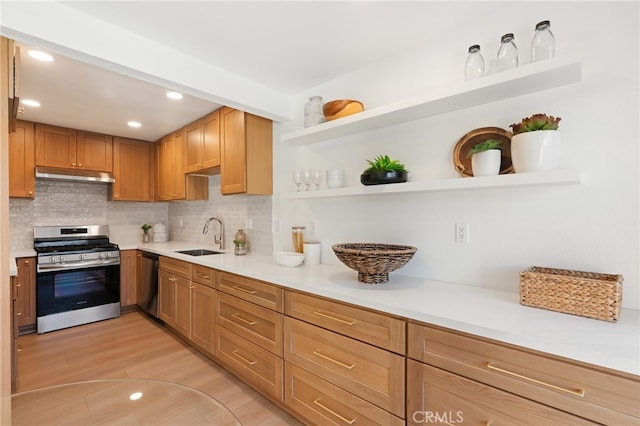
(373, 261)
(587, 294)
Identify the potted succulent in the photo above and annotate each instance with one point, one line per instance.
(486, 158)
(535, 145)
(146, 237)
(382, 170)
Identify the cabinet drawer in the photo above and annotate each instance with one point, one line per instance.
(437, 396)
(203, 275)
(371, 373)
(254, 291)
(256, 366)
(257, 324)
(176, 267)
(595, 394)
(370, 327)
(321, 403)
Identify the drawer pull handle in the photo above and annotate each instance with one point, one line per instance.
(18, 284)
(577, 392)
(321, 355)
(237, 287)
(206, 277)
(322, 314)
(248, 361)
(324, 407)
(246, 321)
(18, 313)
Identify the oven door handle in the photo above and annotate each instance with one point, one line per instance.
(76, 265)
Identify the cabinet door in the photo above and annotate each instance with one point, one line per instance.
(177, 161)
(182, 318)
(233, 174)
(94, 151)
(164, 167)
(22, 153)
(211, 140)
(26, 291)
(193, 141)
(166, 297)
(203, 307)
(132, 170)
(438, 394)
(128, 277)
(55, 146)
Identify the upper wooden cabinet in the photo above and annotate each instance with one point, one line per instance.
(131, 170)
(71, 149)
(202, 144)
(173, 183)
(22, 160)
(246, 165)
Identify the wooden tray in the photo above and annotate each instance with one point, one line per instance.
(462, 162)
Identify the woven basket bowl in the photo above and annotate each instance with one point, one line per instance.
(373, 261)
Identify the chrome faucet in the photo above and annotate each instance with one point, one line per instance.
(216, 239)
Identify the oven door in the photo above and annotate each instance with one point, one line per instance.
(62, 294)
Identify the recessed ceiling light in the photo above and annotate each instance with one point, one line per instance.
(30, 103)
(174, 95)
(40, 55)
(134, 124)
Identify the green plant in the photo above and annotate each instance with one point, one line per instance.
(485, 146)
(538, 121)
(146, 227)
(382, 163)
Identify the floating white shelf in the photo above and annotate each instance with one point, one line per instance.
(530, 78)
(515, 180)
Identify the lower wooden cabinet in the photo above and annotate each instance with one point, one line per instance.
(203, 308)
(319, 402)
(604, 397)
(258, 367)
(128, 277)
(437, 396)
(26, 293)
(371, 373)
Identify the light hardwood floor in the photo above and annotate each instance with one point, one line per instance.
(134, 346)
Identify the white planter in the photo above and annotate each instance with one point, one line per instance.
(536, 151)
(486, 163)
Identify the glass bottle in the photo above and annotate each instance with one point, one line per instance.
(297, 233)
(313, 111)
(240, 243)
(508, 53)
(543, 45)
(474, 66)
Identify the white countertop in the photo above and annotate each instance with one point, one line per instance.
(484, 312)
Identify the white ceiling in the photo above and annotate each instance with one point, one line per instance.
(288, 46)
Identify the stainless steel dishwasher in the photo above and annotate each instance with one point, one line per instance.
(148, 297)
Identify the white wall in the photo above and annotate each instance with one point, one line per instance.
(593, 226)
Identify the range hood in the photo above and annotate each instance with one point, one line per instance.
(75, 175)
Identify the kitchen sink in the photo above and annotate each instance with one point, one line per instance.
(199, 252)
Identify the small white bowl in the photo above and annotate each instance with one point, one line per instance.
(288, 258)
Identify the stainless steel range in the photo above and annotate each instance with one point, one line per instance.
(78, 276)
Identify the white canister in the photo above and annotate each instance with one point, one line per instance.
(160, 233)
(335, 178)
(312, 252)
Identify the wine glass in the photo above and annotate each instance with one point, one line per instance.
(316, 177)
(297, 178)
(306, 178)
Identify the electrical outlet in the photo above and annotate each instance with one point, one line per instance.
(248, 224)
(462, 233)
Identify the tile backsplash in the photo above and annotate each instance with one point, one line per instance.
(78, 203)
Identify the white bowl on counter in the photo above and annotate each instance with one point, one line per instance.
(288, 258)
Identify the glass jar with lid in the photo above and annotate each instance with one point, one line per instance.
(507, 53)
(543, 45)
(297, 233)
(474, 65)
(240, 243)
